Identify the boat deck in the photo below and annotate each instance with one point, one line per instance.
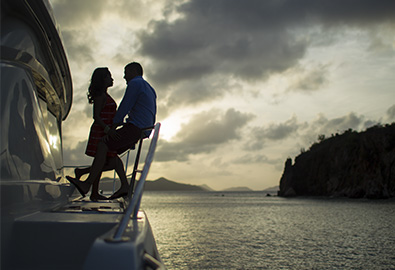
(64, 236)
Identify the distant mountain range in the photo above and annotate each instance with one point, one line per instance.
(163, 184)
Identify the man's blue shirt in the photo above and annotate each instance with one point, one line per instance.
(139, 103)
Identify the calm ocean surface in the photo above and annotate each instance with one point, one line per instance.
(247, 230)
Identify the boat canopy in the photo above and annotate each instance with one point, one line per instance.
(30, 38)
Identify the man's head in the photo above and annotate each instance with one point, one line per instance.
(132, 70)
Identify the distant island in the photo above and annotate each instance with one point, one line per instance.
(163, 184)
(238, 189)
(354, 165)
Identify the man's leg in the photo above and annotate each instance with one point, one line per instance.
(124, 189)
(128, 136)
(121, 173)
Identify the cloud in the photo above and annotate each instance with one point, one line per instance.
(198, 92)
(282, 130)
(220, 37)
(328, 127)
(193, 49)
(100, 30)
(303, 132)
(206, 42)
(339, 124)
(274, 132)
(248, 39)
(310, 80)
(355, 13)
(76, 13)
(203, 134)
(77, 48)
(391, 113)
(76, 156)
(259, 158)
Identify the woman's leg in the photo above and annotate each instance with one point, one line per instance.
(97, 165)
(95, 171)
(112, 163)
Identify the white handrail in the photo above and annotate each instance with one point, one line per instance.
(134, 204)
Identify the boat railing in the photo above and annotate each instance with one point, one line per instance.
(127, 154)
(134, 198)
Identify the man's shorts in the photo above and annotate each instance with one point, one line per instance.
(130, 135)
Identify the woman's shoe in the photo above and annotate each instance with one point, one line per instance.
(77, 175)
(118, 194)
(98, 197)
(77, 184)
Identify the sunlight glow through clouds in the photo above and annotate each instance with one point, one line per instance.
(169, 127)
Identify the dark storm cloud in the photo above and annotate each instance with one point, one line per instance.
(274, 132)
(203, 134)
(217, 37)
(247, 39)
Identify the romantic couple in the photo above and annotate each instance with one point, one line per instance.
(105, 141)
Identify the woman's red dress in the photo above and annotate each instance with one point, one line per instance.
(97, 132)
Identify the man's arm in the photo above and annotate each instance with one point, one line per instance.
(127, 103)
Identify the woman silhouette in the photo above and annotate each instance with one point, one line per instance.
(104, 110)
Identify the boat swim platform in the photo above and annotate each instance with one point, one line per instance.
(69, 236)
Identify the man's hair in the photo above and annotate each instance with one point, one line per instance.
(136, 66)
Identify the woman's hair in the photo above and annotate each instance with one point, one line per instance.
(97, 87)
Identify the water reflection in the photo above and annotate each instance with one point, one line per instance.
(250, 230)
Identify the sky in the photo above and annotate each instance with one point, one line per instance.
(241, 85)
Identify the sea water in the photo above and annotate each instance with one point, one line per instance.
(249, 230)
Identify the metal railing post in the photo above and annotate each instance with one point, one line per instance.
(134, 202)
(136, 164)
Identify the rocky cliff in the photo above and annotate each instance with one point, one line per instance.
(352, 164)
